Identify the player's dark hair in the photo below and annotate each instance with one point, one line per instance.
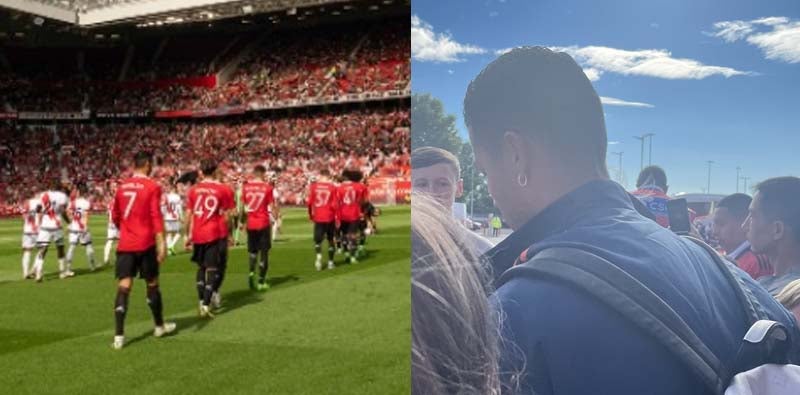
(737, 205)
(355, 175)
(142, 159)
(429, 156)
(208, 166)
(652, 175)
(545, 96)
(325, 172)
(259, 170)
(778, 201)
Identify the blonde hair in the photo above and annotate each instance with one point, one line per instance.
(455, 334)
(789, 296)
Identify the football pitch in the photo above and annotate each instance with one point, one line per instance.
(337, 331)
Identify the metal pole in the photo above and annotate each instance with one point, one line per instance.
(708, 186)
(745, 183)
(619, 172)
(738, 169)
(650, 144)
(472, 192)
(641, 154)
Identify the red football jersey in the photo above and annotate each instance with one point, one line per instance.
(208, 200)
(136, 212)
(322, 202)
(351, 195)
(257, 197)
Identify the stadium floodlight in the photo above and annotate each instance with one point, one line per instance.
(291, 11)
(247, 9)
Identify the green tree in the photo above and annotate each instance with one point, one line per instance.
(431, 127)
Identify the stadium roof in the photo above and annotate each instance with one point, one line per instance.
(88, 13)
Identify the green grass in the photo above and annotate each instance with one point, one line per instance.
(330, 332)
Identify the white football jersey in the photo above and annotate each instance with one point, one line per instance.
(80, 215)
(172, 207)
(53, 205)
(30, 216)
(111, 225)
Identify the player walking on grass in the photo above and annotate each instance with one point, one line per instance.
(78, 210)
(54, 205)
(136, 212)
(210, 216)
(322, 211)
(112, 233)
(258, 199)
(351, 196)
(30, 230)
(172, 216)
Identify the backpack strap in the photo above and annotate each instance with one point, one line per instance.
(633, 300)
(753, 311)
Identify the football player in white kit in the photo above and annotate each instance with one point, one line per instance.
(275, 217)
(113, 232)
(78, 210)
(172, 209)
(30, 229)
(54, 213)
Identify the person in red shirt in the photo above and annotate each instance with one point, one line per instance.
(728, 217)
(257, 198)
(351, 196)
(210, 215)
(136, 212)
(322, 211)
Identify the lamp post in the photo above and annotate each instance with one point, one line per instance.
(619, 172)
(708, 186)
(738, 170)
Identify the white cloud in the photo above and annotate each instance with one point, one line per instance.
(450, 72)
(611, 101)
(731, 31)
(494, 14)
(657, 63)
(655, 25)
(778, 37)
(613, 142)
(592, 74)
(429, 46)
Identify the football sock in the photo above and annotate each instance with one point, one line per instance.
(70, 253)
(26, 263)
(120, 308)
(90, 254)
(107, 251)
(331, 251)
(201, 283)
(263, 266)
(253, 258)
(156, 306)
(211, 278)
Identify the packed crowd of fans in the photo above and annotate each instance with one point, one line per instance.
(295, 149)
(312, 63)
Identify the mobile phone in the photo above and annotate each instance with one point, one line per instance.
(678, 212)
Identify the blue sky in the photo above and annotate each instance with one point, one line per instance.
(714, 80)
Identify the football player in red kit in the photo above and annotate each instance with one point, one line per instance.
(210, 215)
(322, 211)
(136, 212)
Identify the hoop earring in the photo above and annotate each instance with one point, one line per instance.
(522, 180)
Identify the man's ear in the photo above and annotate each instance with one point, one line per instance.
(516, 150)
(778, 230)
(459, 188)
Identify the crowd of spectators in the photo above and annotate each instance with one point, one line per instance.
(375, 141)
(322, 62)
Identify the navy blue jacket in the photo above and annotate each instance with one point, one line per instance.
(565, 342)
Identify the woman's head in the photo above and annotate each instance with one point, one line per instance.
(454, 332)
(537, 128)
(789, 297)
